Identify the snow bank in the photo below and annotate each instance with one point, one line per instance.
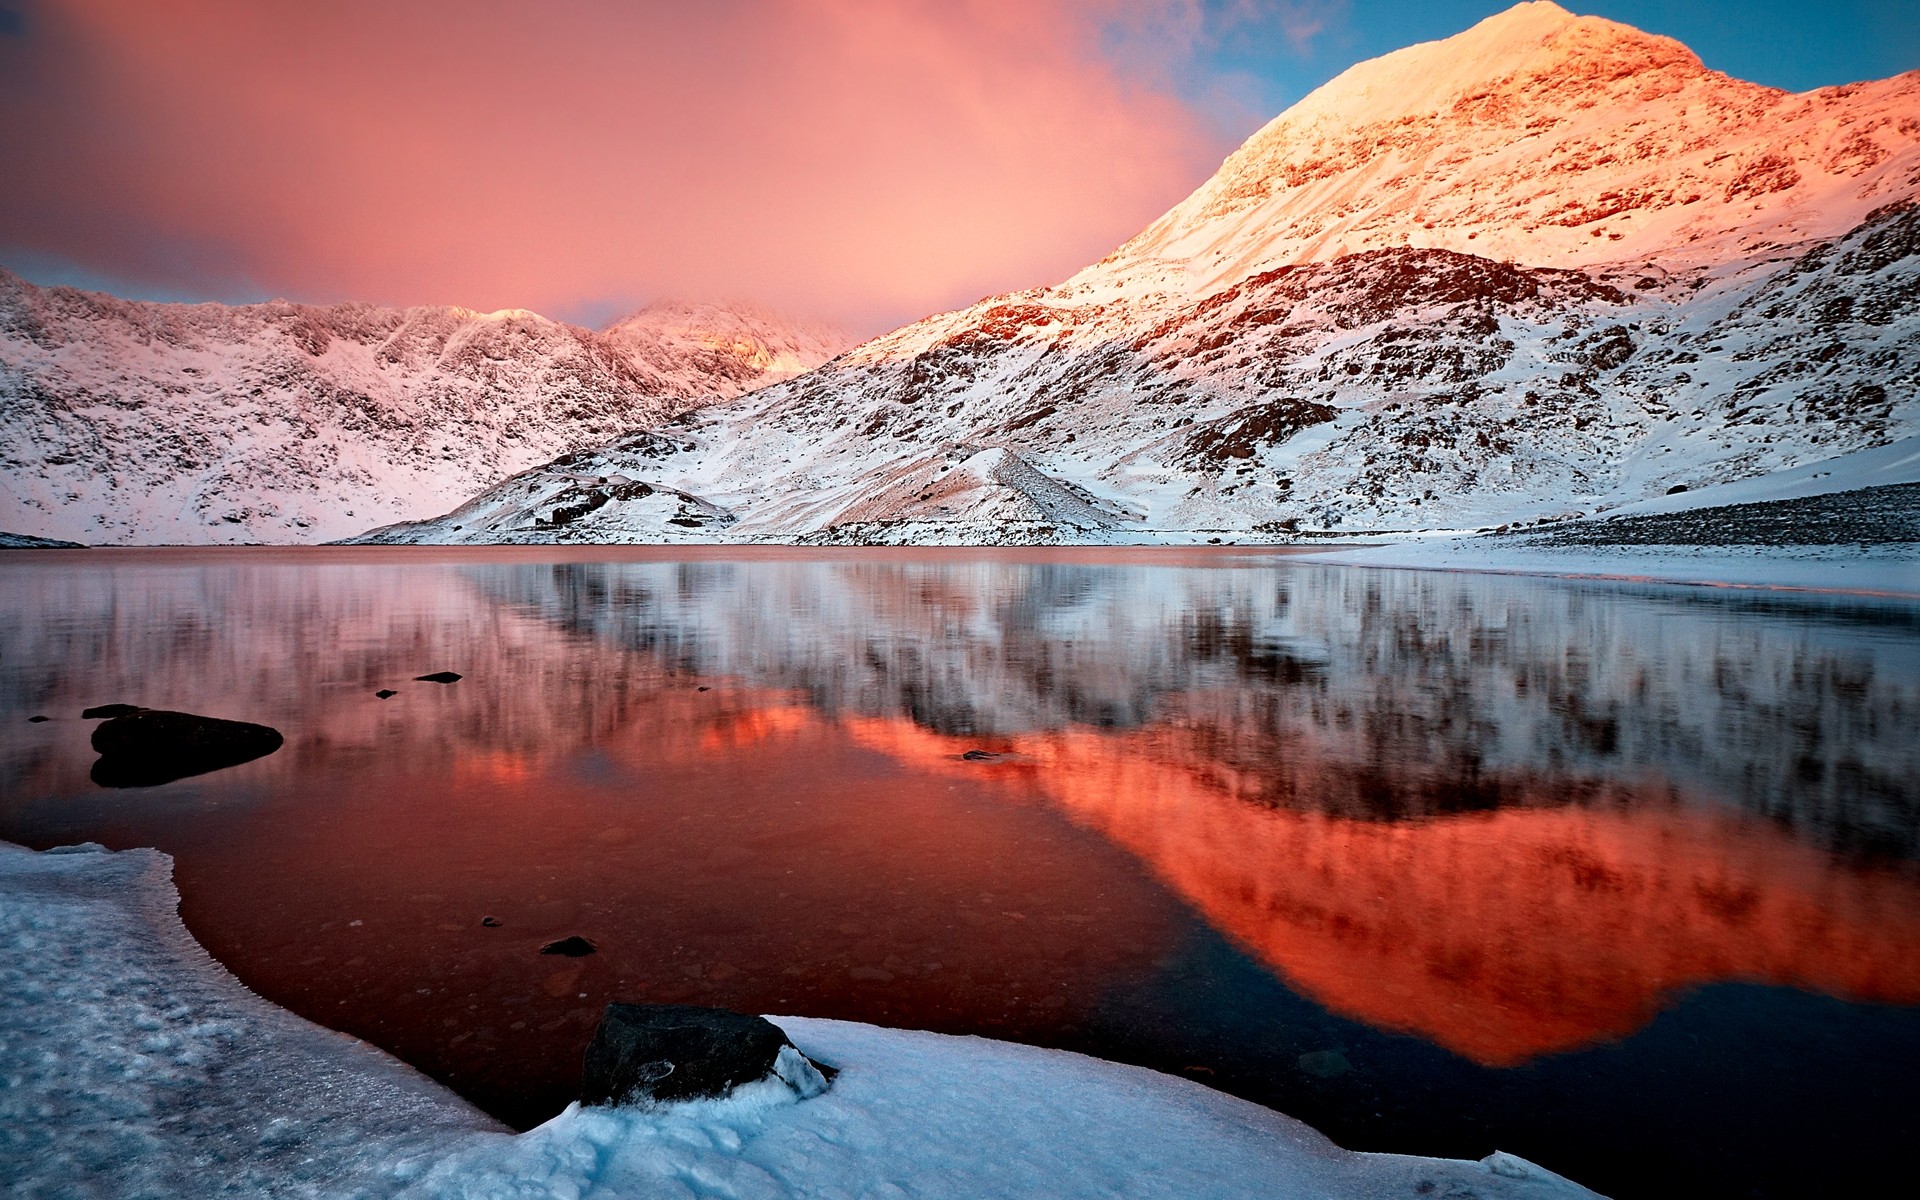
(1886, 568)
(1896, 462)
(134, 1065)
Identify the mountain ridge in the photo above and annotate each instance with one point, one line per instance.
(1682, 162)
(129, 420)
(1547, 267)
(1598, 318)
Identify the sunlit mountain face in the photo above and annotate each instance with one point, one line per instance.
(1364, 846)
(126, 421)
(1545, 268)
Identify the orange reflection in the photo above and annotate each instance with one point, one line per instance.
(500, 768)
(1500, 936)
(736, 730)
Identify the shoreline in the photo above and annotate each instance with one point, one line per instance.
(1892, 573)
(151, 1067)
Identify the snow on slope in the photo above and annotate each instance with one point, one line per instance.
(1393, 389)
(1850, 523)
(123, 421)
(138, 1065)
(719, 350)
(1547, 267)
(1540, 137)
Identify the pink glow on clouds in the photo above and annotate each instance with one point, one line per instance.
(867, 161)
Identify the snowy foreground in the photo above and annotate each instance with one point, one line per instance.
(134, 1065)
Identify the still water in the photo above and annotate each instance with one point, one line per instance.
(1622, 879)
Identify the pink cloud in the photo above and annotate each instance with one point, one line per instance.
(864, 160)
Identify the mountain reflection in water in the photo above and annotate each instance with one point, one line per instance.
(1568, 917)
(1511, 818)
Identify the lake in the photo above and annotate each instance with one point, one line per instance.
(1621, 878)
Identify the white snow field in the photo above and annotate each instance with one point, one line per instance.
(1724, 544)
(132, 1065)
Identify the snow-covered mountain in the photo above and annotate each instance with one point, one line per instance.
(124, 421)
(720, 350)
(1549, 266)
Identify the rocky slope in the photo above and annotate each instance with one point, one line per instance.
(1547, 267)
(123, 421)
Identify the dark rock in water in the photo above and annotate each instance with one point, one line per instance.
(1325, 1064)
(573, 947)
(982, 756)
(147, 747)
(37, 718)
(703, 688)
(1676, 489)
(385, 693)
(664, 1052)
(438, 677)
(494, 923)
(109, 711)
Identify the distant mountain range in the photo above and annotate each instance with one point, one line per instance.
(1548, 267)
(130, 422)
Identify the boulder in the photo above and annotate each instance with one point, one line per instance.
(37, 718)
(438, 677)
(386, 694)
(148, 747)
(573, 947)
(659, 1053)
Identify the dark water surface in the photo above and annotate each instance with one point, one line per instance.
(1625, 880)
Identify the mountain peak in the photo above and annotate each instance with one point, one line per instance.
(1525, 44)
(1537, 136)
(725, 347)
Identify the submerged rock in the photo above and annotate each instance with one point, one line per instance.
(1325, 1064)
(664, 1052)
(147, 747)
(573, 947)
(385, 693)
(36, 718)
(99, 711)
(438, 677)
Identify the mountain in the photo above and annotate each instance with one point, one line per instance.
(1542, 138)
(719, 350)
(1547, 267)
(124, 421)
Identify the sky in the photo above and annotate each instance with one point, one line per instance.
(859, 161)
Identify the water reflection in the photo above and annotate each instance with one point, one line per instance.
(1803, 714)
(1511, 818)
(1569, 916)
